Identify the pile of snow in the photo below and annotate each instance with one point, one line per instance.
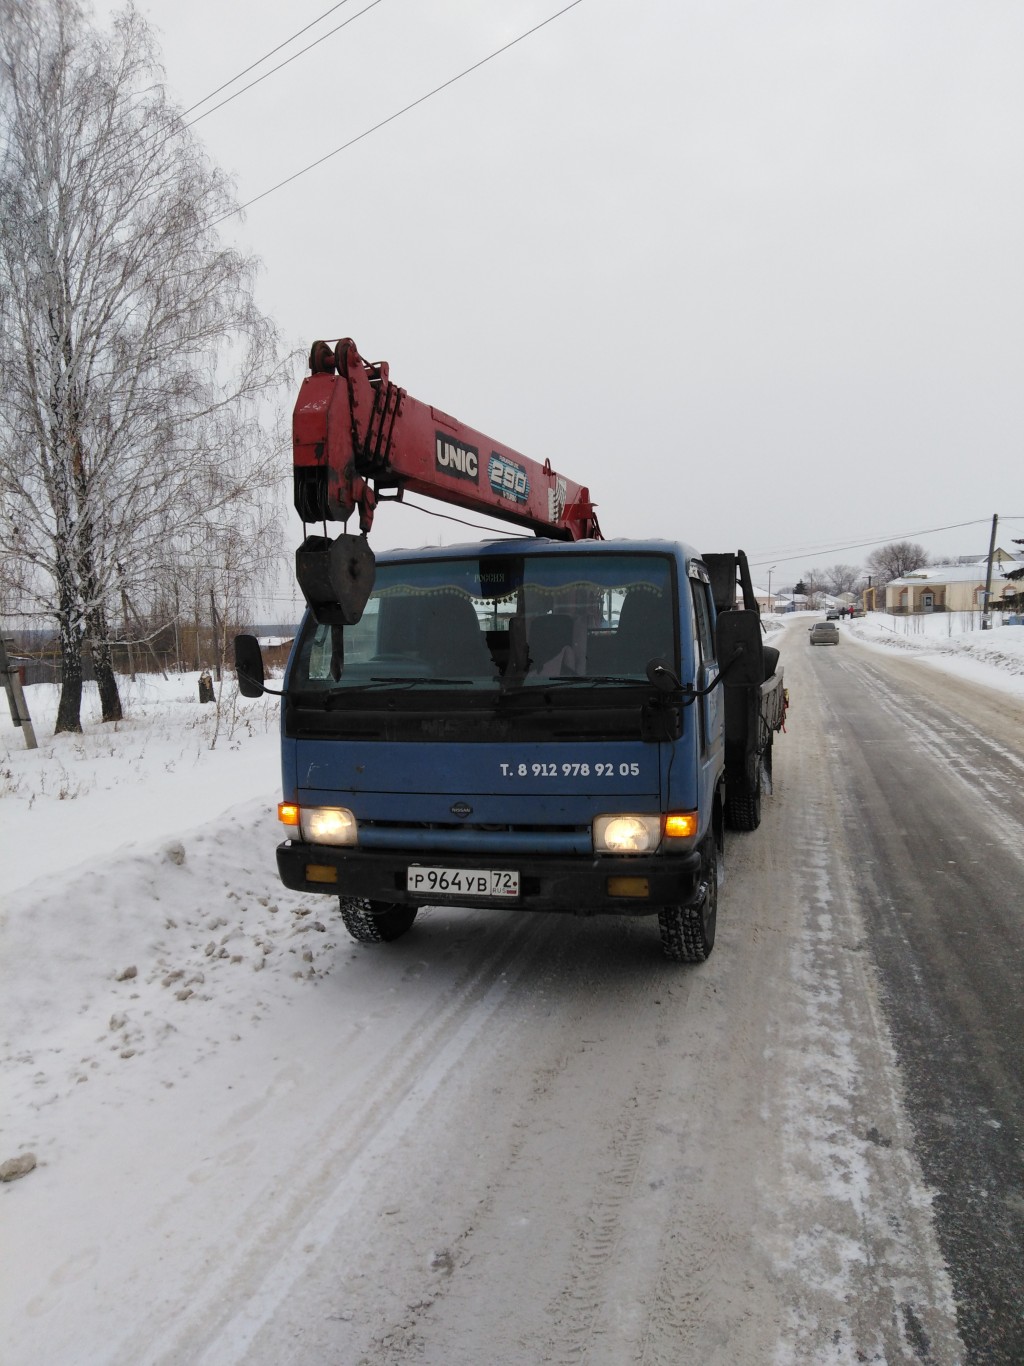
(953, 642)
(141, 894)
(170, 764)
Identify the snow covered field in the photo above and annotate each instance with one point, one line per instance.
(140, 901)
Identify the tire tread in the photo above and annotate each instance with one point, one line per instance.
(375, 922)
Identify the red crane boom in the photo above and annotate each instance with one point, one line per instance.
(358, 439)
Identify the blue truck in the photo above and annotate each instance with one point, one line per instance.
(555, 722)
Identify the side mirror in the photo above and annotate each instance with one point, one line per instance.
(660, 676)
(740, 649)
(249, 666)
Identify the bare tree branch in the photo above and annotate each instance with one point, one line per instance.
(136, 371)
(895, 560)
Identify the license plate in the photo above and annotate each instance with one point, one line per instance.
(489, 882)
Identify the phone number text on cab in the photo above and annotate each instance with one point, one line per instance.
(581, 770)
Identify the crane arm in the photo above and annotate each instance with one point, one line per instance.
(357, 438)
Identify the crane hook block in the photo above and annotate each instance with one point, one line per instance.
(336, 577)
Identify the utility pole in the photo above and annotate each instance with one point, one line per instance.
(16, 694)
(216, 635)
(126, 632)
(177, 629)
(986, 615)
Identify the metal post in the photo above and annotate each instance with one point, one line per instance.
(16, 695)
(127, 634)
(986, 618)
(177, 629)
(216, 635)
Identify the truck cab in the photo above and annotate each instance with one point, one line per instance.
(525, 723)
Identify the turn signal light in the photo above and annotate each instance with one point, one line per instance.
(680, 824)
(288, 813)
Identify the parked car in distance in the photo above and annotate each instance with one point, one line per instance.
(833, 614)
(824, 633)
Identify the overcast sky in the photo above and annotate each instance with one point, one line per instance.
(750, 270)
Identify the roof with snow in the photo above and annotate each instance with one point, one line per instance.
(956, 573)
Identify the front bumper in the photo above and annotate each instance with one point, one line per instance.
(577, 885)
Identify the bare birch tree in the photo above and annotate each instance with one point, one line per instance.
(134, 363)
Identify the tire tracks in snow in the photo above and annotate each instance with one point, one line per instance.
(281, 1235)
(988, 771)
(854, 1229)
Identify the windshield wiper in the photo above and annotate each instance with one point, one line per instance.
(586, 680)
(522, 689)
(336, 696)
(414, 680)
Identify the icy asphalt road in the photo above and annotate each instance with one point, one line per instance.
(933, 803)
(524, 1139)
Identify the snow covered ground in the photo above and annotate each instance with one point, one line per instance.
(139, 875)
(140, 899)
(952, 642)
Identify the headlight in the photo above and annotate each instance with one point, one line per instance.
(626, 834)
(328, 825)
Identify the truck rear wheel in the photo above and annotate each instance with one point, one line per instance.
(688, 932)
(375, 922)
(743, 806)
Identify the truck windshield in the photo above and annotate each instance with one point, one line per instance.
(498, 621)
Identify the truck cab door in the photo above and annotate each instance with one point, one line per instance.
(709, 707)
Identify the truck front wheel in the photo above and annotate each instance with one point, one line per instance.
(375, 922)
(743, 803)
(688, 932)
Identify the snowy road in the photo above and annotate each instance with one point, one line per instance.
(500, 1139)
(940, 770)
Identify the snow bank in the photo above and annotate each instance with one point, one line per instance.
(952, 642)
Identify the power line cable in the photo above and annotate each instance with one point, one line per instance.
(880, 540)
(280, 66)
(397, 115)
(253, 65)
(161, 136)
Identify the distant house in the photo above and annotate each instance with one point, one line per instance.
(958, 587)
(788, 602)
(276, 644)
(779, 602)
